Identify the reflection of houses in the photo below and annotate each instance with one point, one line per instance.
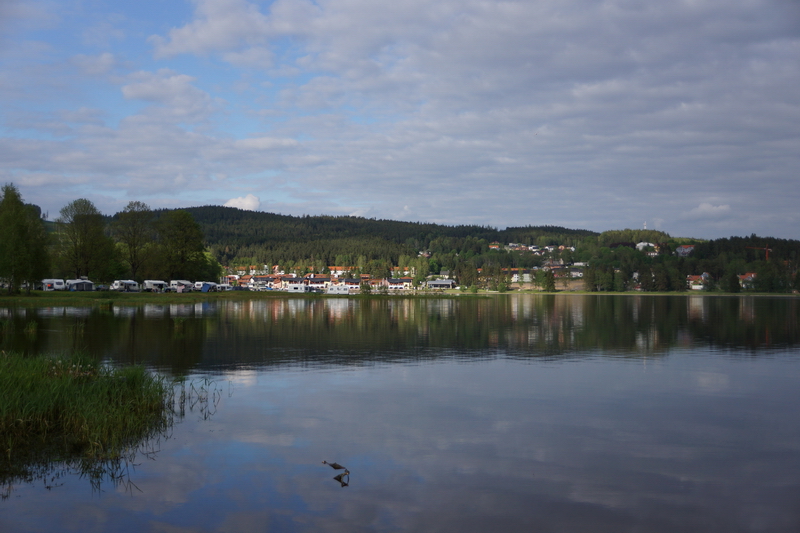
(697, 308)
(747, 280)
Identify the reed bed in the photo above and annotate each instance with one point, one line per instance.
(72, 406)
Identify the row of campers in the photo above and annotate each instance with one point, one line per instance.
(82, 284)
(129, 285)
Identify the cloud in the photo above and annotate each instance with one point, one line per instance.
(95, 65)
(706, 210)
(577, 113)
(219, 26)
(248, 203)
(172, 91)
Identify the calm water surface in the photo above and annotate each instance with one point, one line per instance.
(516, 413)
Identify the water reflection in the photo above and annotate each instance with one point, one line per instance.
(334, 331)
(540, 413)
(49, 464)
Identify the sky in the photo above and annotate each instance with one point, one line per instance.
(683, 116)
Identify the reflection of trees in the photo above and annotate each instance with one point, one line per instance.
(173, 339)
(51, 468)
(51, 463)
(302, 330)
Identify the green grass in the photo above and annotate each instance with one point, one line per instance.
(73, 407)
(105, 298)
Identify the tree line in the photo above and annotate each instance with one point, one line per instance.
(615, 265)
(136, 243)
(141, 243)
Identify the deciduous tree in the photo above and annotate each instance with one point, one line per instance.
(23, 241)
(133, 228)
(85, 250)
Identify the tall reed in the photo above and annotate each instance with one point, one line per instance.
(74, 406)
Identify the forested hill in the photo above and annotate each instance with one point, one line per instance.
(236, 237)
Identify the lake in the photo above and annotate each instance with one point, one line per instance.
(508, 413)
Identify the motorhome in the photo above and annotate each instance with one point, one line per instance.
(198, 285)
(205, 286)
(125, 285)
(297, 287)
(181, 285)
(53, 285)
(338, 289)
(154, 285)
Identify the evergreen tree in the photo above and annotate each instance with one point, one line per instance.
(549, 281)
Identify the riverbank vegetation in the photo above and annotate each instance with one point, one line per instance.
(73, 405)
(69, 413)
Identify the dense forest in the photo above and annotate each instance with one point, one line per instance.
(238, 237)
(620, 266)
(610, 260)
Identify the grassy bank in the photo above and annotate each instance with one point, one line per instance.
(57, 298)
(70, 406)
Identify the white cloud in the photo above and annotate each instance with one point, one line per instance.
(172, 91)
(219, 26)
(265, 143)
(95, 65)
(571, 112)
(707, 210)
(248, 203)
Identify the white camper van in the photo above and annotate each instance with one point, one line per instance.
(125, 285)
(205, 286)
(154, 285)
(181, 285)
(53, 285)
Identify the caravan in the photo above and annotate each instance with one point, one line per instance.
(205, 286)
(181, 285)
(82, 284)
(53, 285)
(154, 285)
(125, 285)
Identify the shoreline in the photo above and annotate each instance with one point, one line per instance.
(91, 299)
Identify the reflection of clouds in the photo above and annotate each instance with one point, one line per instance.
(491, 445)
(242, 378)
(711, 381)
